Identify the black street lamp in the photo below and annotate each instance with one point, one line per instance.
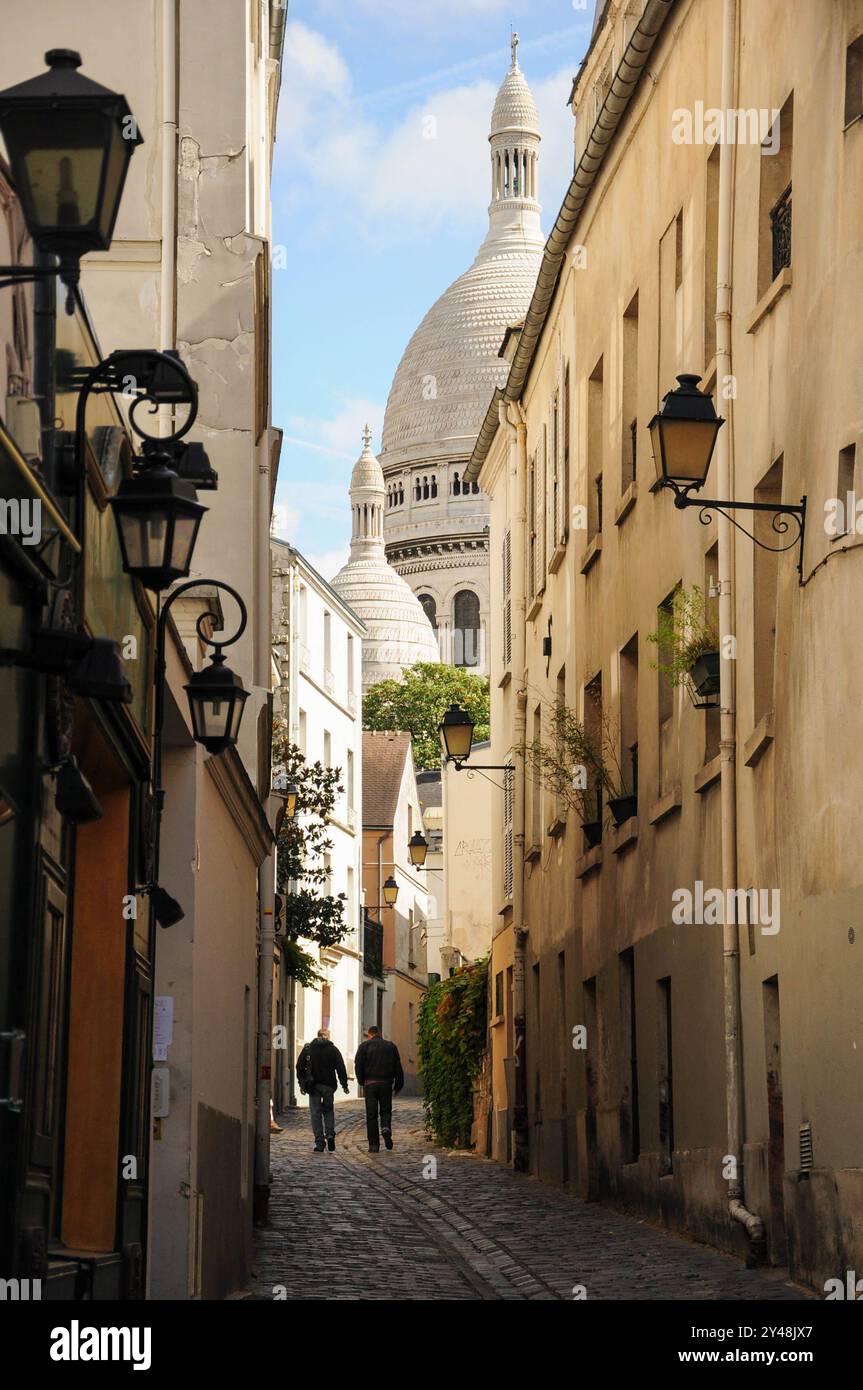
(157, 509)
(69, 141)
(418, 848)
(216, 698)
(456, 736)
(390, 891)
(683, 436)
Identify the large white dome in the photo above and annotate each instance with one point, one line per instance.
(450, 367)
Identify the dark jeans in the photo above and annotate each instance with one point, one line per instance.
(378, 1095)
(322, 1112)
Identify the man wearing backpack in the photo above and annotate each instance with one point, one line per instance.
(379, 1070)
(320, 1067)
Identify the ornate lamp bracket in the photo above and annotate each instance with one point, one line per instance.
(783, 516)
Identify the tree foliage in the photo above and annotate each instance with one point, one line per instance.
(452, 1040)
(417, 702)
(310, 914)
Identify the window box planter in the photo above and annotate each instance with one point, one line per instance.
(704, 674)
(592, 832)
(622, 808)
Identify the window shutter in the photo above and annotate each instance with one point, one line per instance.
(507, 601)
(508, 803)
(564, 489)
(539, 495)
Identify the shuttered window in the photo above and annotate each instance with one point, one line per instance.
(531, 534)
(507, 600)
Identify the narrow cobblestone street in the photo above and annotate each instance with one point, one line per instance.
(354, 1225)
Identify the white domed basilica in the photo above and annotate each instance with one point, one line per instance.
(398, 633)
(435, 525)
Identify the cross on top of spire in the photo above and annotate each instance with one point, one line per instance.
(367, 436)
(513, 43)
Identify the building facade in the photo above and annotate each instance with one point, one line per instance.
(613, 1070)
(391, 814)
(187, 270)
(435, 521)
(317, 642)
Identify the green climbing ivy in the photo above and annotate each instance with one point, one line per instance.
(452, 1039)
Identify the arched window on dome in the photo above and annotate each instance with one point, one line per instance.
(456, 485)
(429, 608)
(506, 174)
(465, 638)
(418, 490)
(401, 493)
(433, 486)
(474, 487)
(516, 167)
(425, 487)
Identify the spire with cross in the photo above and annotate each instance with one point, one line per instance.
(513, 43)
(367, 436)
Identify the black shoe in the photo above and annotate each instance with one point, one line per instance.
(374, 1148)
(319, 1148)
(331, 1144)
(388, 1137)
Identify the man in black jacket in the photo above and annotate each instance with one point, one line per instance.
(319, 1066)
(379, 1070)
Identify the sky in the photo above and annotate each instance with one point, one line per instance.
(372, 219)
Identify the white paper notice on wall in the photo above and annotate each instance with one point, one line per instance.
(163, 1026)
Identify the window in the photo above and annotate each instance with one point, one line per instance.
(456, 485)
(418, 490)
(711, 253)
(429, 608)
(351, 908)
(466, 628)
(350, 661)
(328, 648)
(498, 994)
(711, 597)
(328, 748)
(665, 1076)
(629, 402)
(594, 451)
(302, 732)
(854, 80)
(629, 716)
(593, 727)
(536, 784)
(531, 524)
(774, 200)
(846, 516)
(506, 568)
(508, 801)
(555, 476)
(765, 576)
(629, 1126)
(670, 304)
(349, 779)
(667, 739)
(434, 485)
(565, 480)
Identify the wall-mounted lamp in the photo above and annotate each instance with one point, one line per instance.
(456, 736)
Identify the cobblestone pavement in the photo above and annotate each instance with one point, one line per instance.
(354, 1225)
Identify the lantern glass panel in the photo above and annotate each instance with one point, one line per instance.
(688, 448)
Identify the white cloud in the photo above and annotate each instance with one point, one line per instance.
(328, 562)
(341, 435)
(284, 522)
(396, 183)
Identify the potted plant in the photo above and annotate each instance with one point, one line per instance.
(572, 767)
(688, 642)
(622, 793)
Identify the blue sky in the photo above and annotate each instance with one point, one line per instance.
(372, 219)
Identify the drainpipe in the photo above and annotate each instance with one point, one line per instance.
(727, 744)
(168, 265)
(516, 482)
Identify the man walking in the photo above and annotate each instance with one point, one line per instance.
(379, 1070)
(320, 1066)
